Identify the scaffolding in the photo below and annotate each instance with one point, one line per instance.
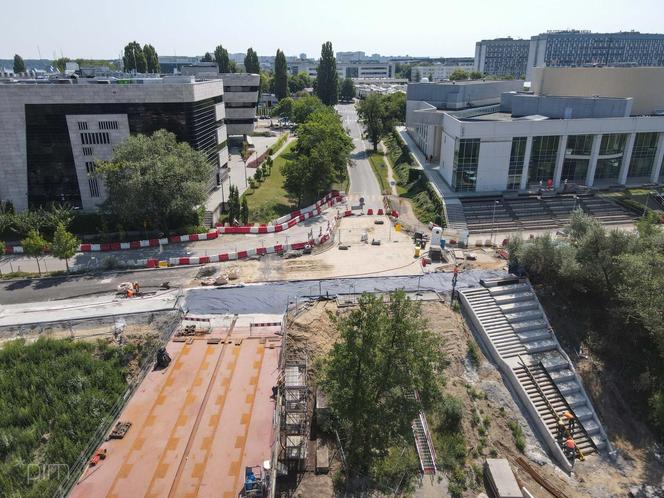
(294, 416)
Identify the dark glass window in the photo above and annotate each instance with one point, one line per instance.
(517, 156)
(543, 159)
(608, 168)
(579, 145)
(612, 143)
(643, 155)
(466, 160)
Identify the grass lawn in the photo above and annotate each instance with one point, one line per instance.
(377, 161)
(634, 196)
(269, 200)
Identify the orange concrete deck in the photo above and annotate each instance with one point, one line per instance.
(196, 424)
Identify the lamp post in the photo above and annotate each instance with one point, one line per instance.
(493, 220)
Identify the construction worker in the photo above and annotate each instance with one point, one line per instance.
(130, 292)
(560, 429)
(571, 420)
(137, 288)
(570, 448)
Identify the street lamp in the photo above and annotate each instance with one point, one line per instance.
(493, 220)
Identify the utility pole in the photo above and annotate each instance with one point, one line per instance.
(455, 276)
(493, 220)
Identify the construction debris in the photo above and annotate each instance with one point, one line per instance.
(120, 430)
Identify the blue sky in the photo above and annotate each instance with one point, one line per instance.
(100, 28)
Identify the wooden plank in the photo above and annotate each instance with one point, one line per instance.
(540, 479)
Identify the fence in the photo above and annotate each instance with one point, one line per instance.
(98, 437)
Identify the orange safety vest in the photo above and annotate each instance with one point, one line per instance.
(568, 415)
(570, 444)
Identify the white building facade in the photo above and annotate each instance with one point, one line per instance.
(529, 141)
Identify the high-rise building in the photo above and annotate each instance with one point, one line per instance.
(502, 57)
(53, 131)
(570, 48)
(579, 48)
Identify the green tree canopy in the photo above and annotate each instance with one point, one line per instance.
(475, 75)
(280, 76)
(244, 210)
(347, 91)
(321, 155)
(64, 245)
(222, 59)
(34, 246)
(326, 78)
(385, 354)
(134, 58)
(19, 64)
(298, 82)
(156, 179)
(251, 64)
(459, 74)
(305, 107)
(284, 108)
(373, 115)
(207, 57)
(151, 58)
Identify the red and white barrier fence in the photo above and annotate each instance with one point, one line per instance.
(265, 324)
(289, 220)
(279, 225)
(237, 255)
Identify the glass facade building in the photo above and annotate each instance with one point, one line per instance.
(643, 155)
(543, 159)
(577, 158)
(466, 161)
(517, 156)
(613, 146)
(50, 164)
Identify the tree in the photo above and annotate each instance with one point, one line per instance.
(19, 65)
(280, 76)
(284, 108)
(327, 77)
(244, 211)
(373, 116)
(321, 155)
(222, 59)
(157, 180)
(305, 107)
(152, 59)
(347, 89)
(298, 82)
(475, 75)
(134, 58)
(234, 208)
(64, 245)
(385, 354)
(34, 246)
(251, 64)
(417, 76)
(459, 74)
(207, 57)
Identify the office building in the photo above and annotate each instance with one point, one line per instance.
(568, 48)
(598, 127)
(53, 131)
(240, 95)
(344, 57)
(367, 69)
(441, 71)
(241, 99)
(502, 57)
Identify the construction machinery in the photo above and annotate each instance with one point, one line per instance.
(163, 358)
(255, 482)
(437, 244)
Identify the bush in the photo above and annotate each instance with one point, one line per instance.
(451, 411)
(517, 434)
(473, 352)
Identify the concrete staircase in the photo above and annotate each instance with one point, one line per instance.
(455, 218)
(513, 328)
(423, 442)
(606, 212)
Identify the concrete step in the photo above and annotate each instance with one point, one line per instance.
(520, 306)
(539, 346)
(534, 335)
(568, 387)
(583, 413)
(522, 316)
(513, 298)
(529, 325)
(508, 289)
(554, 363)
(576, 399)
(562, 375)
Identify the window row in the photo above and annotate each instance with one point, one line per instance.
(97, 138)
(108, 125)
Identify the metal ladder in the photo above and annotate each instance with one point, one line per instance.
(423, 443)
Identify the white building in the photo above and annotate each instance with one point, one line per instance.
(367, 69)
(441, 71)
(495, 140)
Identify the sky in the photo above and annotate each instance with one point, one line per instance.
(438, 28)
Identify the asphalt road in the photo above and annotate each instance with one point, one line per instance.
(56, 288)
(363, 182)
